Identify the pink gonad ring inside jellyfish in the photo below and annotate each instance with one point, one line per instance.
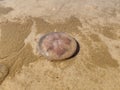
(57, 46)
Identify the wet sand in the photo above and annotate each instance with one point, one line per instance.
(94, 24)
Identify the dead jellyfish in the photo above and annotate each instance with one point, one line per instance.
(57, 46)
(3, 72)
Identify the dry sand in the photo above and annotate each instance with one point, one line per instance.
(95, 24)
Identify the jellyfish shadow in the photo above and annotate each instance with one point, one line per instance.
(76, 52)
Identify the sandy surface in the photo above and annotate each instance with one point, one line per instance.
(95, 24)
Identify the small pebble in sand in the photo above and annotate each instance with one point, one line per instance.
(3, 72)
(57, 46)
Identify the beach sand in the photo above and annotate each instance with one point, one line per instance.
(95, 24)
